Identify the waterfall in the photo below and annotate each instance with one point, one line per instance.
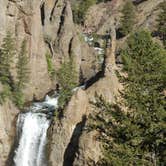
(32, 133)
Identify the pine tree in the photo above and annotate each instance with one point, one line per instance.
(67, 78)
(162, 22)
(7, 53)
(22, 67)
(80, 9)
(22, 75)
(137, 137)
(145, 63)
(128, 18)
(6, 57)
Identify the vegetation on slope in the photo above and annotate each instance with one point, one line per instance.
(50, 66)
(6, 58)
(22, 75)
(162, 23)
(13, 89)
(67, 78)
(138, 136)
(81, 7)
(128, 18)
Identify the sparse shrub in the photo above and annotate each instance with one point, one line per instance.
(50, 66)
(81, 7)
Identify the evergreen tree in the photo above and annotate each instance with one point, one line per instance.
(145, 63)
(67, 78)
(22, 67)
(137, 137)
(6, 56)
(127, 19)
(5, 93)
(80, 9)
(162, 22)
(22, 75)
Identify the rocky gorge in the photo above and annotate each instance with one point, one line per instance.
(48, 27)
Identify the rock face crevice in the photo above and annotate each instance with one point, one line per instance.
(63, 133)
(48, 26)
(70, 47)
(42, 13)
(52, 11)
(62, 20)
(43, 24)
(72, 147)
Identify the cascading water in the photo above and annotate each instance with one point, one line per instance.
(32, 133)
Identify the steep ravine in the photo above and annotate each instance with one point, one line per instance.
(40, 23)
(48, 28)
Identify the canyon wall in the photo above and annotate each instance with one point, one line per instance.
(48, 26)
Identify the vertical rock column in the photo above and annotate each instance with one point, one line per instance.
(110, 52)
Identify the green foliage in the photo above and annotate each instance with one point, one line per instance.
(145, 63)
(128, 18)
(13, 89)
(117, 134)
(22, 67)
(136, 137)
(65, 95)
(162, 22)
(50, 66)
(18, 98)
(67, 78)
(6, 58)
(22, 75)
(80, 9)
(6, 93)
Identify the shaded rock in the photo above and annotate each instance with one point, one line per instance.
(8, 113)
(63, 131)
(85, 58)
(106, 87)
(89, 150)
(58, 26)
